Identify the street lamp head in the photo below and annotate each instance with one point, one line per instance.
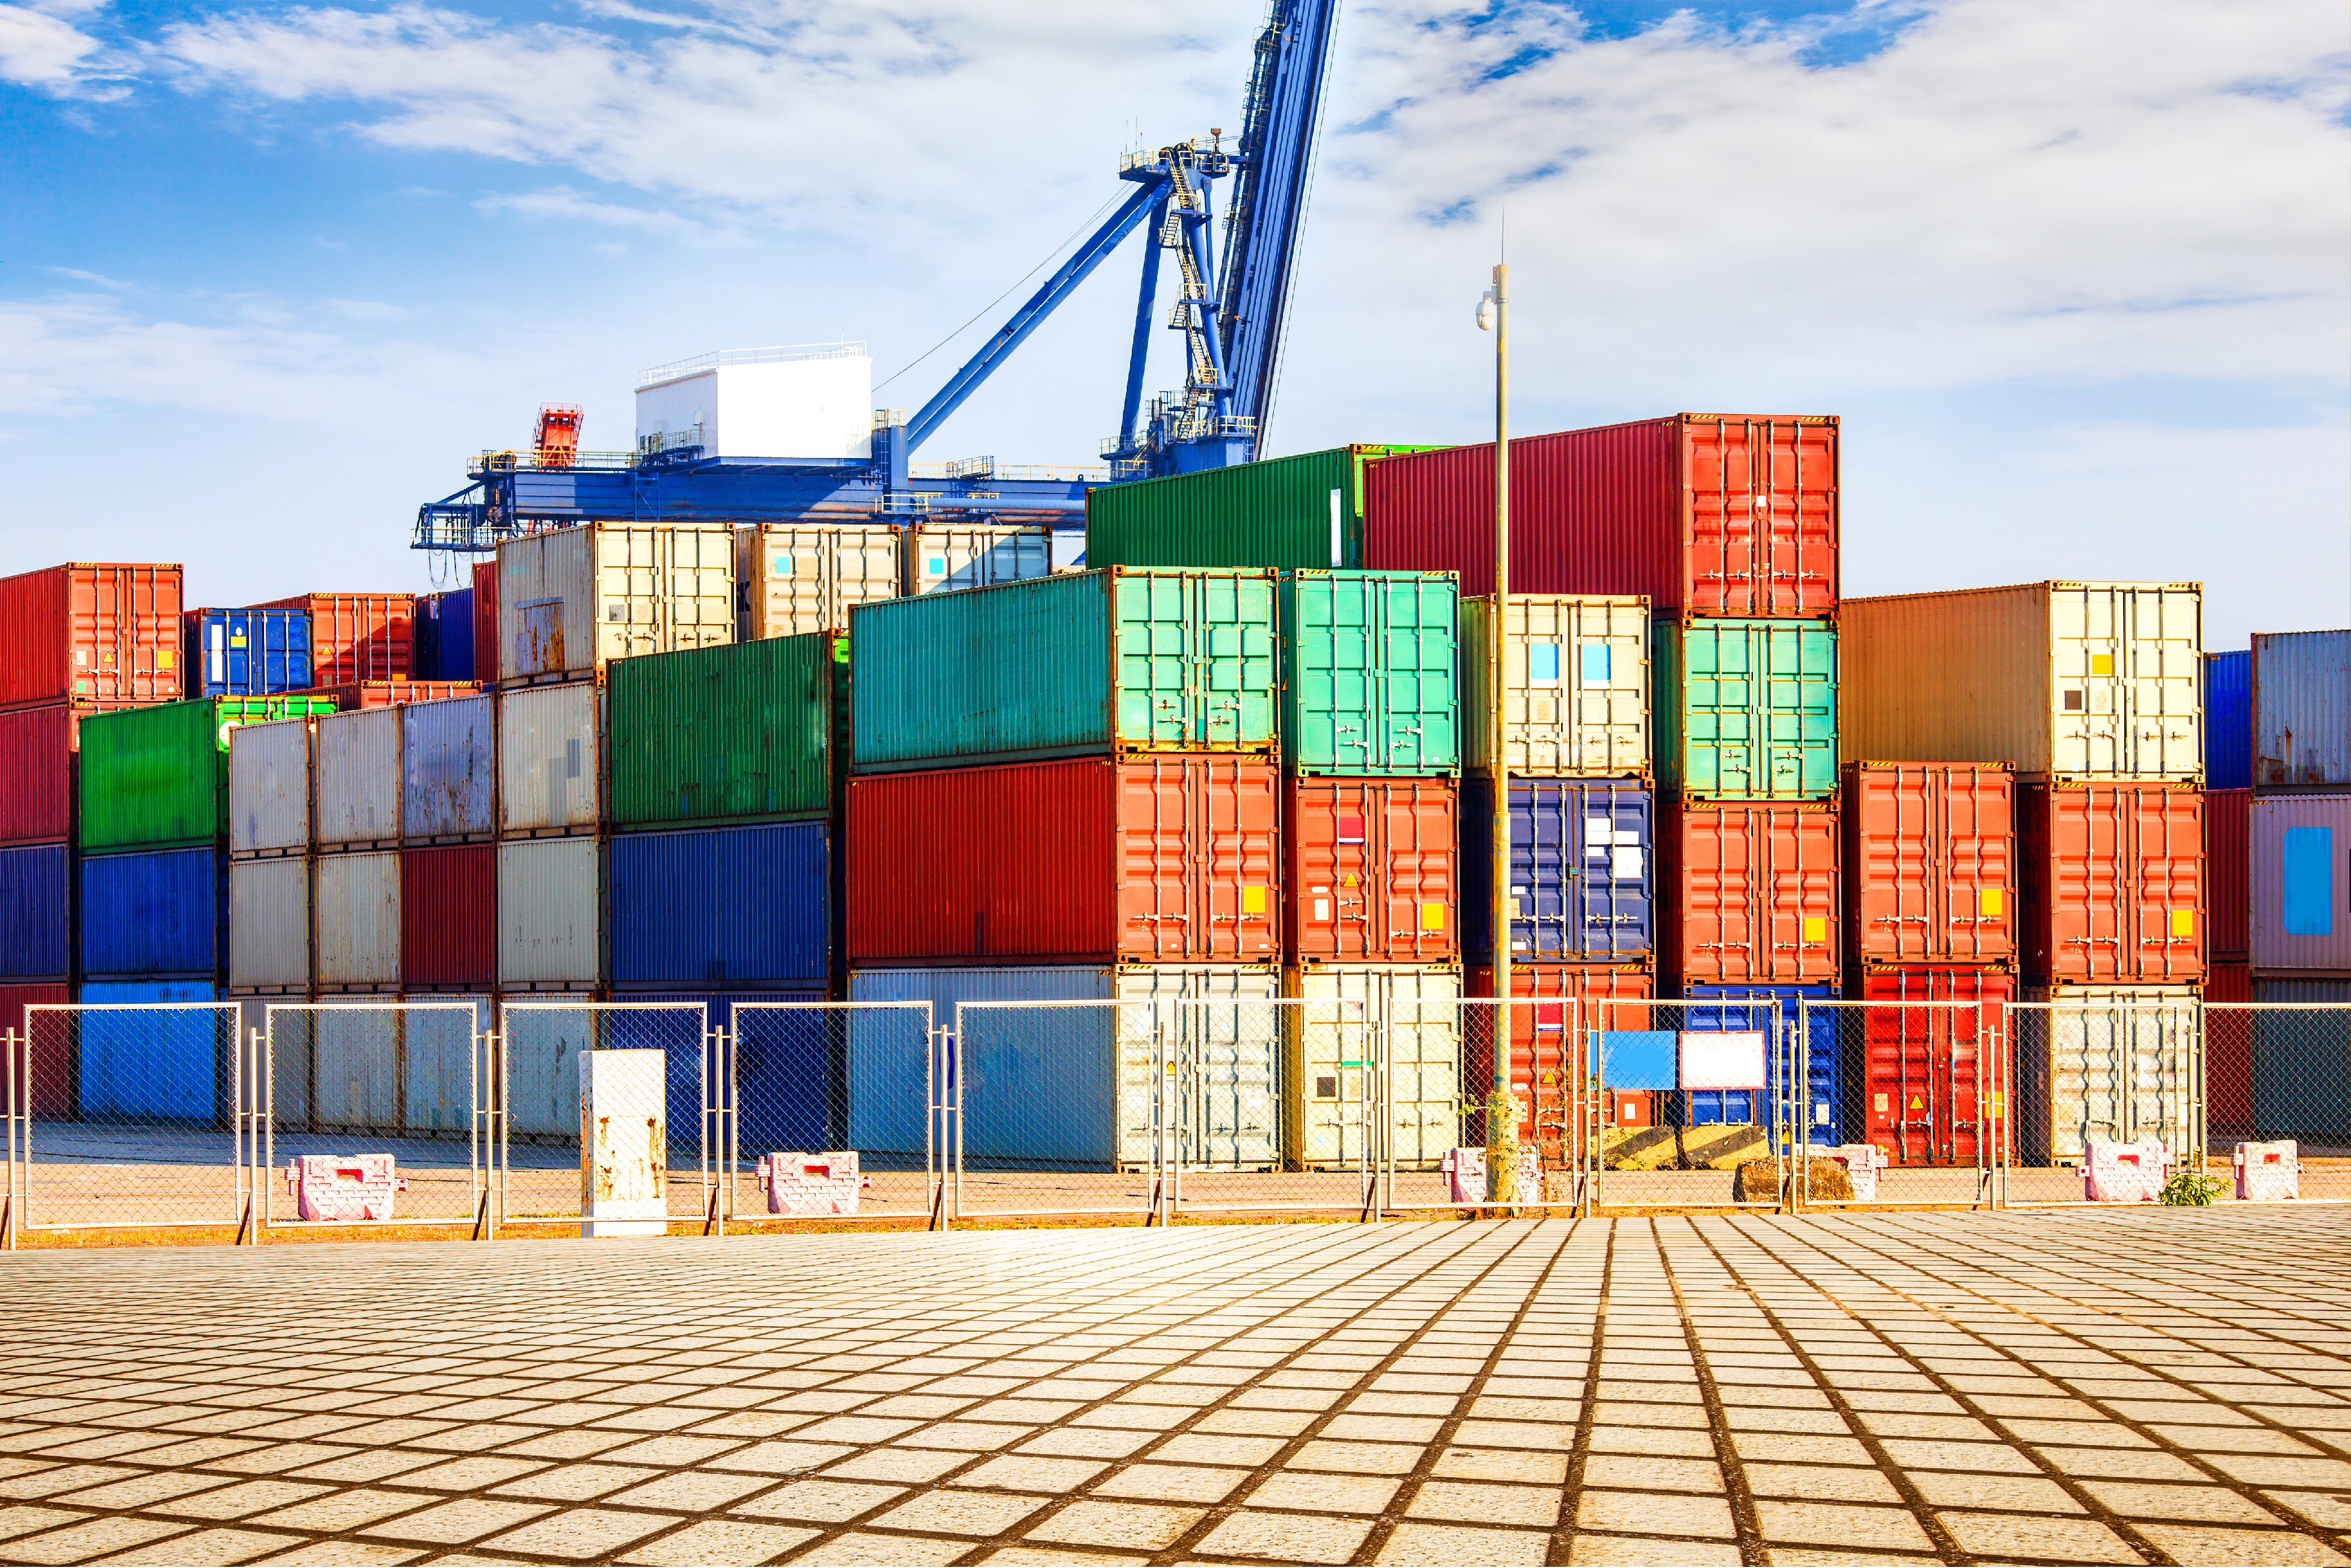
(1486, 311)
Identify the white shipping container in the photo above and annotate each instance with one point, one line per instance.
(573, 598)
(944, 558)
(803, 577)
(1416, 1009)
(1071, 1088)
(355, 1066)
(2065, 680)
(449, 769)
(438, 1085)
(550, 758)
(355, 921)
(550, 912)
(1575, 686)
(269, 920)
(2115, 1062)
(269, 787)
(815, 400)
(357, 775)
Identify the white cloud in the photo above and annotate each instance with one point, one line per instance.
(563, 204)
(40, 48)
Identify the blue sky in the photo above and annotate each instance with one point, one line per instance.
(2072, 270)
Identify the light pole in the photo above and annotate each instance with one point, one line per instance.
(1501, 1110)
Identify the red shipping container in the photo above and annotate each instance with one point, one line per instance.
(1169, 859)
(1750, 893)
(356, 636)
(486, 622)
(91, 634)
(386, 693)
(1373, 870)
(50, 1089)
(1930, 863)
(37, 772)
(449, 917)
(2228, 876)
(1921, 1096)
(2228, 1051)
(2114, 883)
(1571, 999)
(1719, 514)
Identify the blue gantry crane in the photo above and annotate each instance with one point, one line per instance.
(1228, 306)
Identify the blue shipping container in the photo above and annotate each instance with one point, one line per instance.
(1581, 867)
(2228, 720)
(36, 912)
(725, 905)
(1737, 1107)
(788, 1071)
(250, 652)
(443, 649)
(139, 1060)
(150, 915)
(2302, 1059)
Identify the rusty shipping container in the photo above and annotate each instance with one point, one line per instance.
(1751, 894)
(2300, 851)
(448, 917)
(1372, 870)
(1923, 1067)
(356, 694)
(1165, 859)
(356, 636)
(37, 749)
(2113, 883)
(1561, 1004)
(486, 622)
(91, 634)
(1707, 514)
(1930, 863)
(2302, 712)
(2228, 876)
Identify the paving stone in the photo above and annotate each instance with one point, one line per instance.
(98, 1538)
(858, 1550)
(1415, 1543)
(2207, 1503)
(1703, 1518)
(1131, 1526)
(2001, 1536)
(1820, 1483)
(580, 1533)
(206, 1548)
(345, 1510)
(821, 1502)
(1325, 1494)
(2254, 1548)
(1285, 1537)
(1651, 1471)
(1617, 1549)
(458, 1523)
(1501, 1465)
(348, 1554)
(1476, 1502)
(910, 1465)
(239, 1501)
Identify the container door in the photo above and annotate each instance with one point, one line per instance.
(1798, 713)
(1762, 524)
(701, 599)
(1593, 686)
(1232, 677)
(2163, 867)
(1721, 702)
(1234, 823)
(1418, 660)
(628, 570)
(1797, 914)
(1724, 878)
(2123, 681)
(1421, 1016)
(1335, 1105)
(1411, 888)
(1155, 661)
(1158, 900)
(1231, 1053)
(1547, 867)
(1610, 897)
(1343, 725)
(2164, 634)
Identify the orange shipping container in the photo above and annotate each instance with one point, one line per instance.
(2113, 884)
(1751, 893)
(1373, 870)
(1570, 1001)
(2229, 1049)
(2229, 875)
(1930, 863)
(1172, 860)
(91, 634)
(1920, 1097)
(356, 636)
(385, 693)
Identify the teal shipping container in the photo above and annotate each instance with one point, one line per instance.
(1370, 665)
(1292, 512)
(1746, 709)
(1128, 659)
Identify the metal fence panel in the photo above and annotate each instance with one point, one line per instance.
(1920, 1102)
(543, 1038)
(2124, 1071)
(807, 1079)
(1690, 1092)
(2291, 1078)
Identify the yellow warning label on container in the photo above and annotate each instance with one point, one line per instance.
(1432, 916)
(2183, 922)
(2102, 664)
(1917, 1104)
(165, 658)
(1991, 901)
(1253, 900)
(1816, 928)
(1995, 1105)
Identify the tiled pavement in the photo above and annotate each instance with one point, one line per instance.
(2144, 1386)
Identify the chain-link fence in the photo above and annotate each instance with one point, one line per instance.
(1909, 1104)
(541, 1041)
(2279, 1073)
(2108, 1071)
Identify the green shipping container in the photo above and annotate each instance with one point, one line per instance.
(1297, 514)
(1369, 663)
(1746, 708)
(739, 733)
(1078, 664)
(157, 777)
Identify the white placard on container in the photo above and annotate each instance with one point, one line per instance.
(1722, 1060)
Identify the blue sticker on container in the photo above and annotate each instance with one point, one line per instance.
(2306, 858)
(1637, 1058)
(1596, 662)
(1542, 663)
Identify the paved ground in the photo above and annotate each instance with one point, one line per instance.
(2168, 1386)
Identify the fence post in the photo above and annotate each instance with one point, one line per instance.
(19, 1106)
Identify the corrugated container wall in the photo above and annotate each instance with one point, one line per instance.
(2302, 883)
(151, 915)
(269, 925)
(247, 653)
(1372, 871)
(269, 788)
(356, 637)
(1369, 663)
(1575, 686)
(2301, 711)
(2228, 1052)
(355, 922)
(1729, 1008)
(942, 557)
(2229, 720)
(36, 911)
(2302, 1059)
(37, 772)
(156, 776)
(1165, 859)
(2066, 680)
(448, 916)
(551, 758)
(90, 633)
(448, 770)
(485, 622)
(571, 599)
(796, 578)
(2229, 875)
(148, 1066)
(1704, 514)
(356, 763)
(2108, 1062)
(2114, 883)
(730, 906)
(1930, 863)
(1328, 1111)
(444, 635)
(1751, 894)
(1079, 664)
(1292, 512)
(551, 914)
(49, 1082)
(360, 694)
(1583, 874)
(1747, 709)
(1570, 1002)
(1915, 1076)
(742, 732)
